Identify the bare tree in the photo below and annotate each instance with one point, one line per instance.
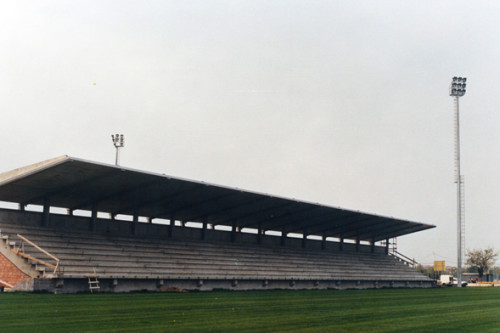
(481, 260)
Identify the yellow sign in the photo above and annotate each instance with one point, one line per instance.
(439, 266)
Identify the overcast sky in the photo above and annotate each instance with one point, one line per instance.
(344, 103)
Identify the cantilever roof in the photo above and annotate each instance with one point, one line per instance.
(79, 184)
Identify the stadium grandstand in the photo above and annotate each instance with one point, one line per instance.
(71, 225)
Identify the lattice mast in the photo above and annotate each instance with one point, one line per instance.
(457, 90)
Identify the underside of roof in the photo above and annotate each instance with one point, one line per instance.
(78, 184)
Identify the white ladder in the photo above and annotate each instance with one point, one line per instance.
(93, 282)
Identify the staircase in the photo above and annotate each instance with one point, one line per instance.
(36, 267)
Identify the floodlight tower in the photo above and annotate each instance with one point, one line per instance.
(118, 142)
(457, 90)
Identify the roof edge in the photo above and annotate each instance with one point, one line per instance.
(21, 172)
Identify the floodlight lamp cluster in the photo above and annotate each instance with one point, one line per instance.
(118, 140)
(457, 87)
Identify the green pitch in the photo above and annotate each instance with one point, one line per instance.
(386, 310)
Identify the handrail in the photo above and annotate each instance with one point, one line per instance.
(21, 253)
(6, 283)
(411, 262)
(404, 257)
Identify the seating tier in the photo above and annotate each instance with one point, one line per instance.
(146, 258)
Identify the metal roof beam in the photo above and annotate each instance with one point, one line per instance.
(114, 195)
(318, 223)
(379, 227)
(193, 204)
(337, 224)
(225, 211)
(287, 215)
(162, 200)
(402, 231)
(256, 212)
(71, 188)
(347, 227)
(369, 231)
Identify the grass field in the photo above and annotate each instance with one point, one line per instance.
(385, 310)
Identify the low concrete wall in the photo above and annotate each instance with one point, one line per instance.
(131, 285)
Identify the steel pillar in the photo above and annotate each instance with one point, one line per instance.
(458, 180)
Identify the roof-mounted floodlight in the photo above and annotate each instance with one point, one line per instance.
(118, 142)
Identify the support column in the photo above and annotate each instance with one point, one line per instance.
(341, 245)
(357, 244)
(233, 232)
(135, 221)
(387, 246)
(304, 238)
(171, 227)
(283, 237)
(323, 242)
(46, 212)
(373, 245)
(93, 218)
(259, 234)
(204, 229)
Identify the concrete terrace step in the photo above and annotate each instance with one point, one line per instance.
(132, 264)
(88, 238)
(124, 259)
(199, 249)
(241, 270)
(220, 272)
(124, 255)
(132, 246)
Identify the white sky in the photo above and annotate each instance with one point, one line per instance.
(339, 102)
